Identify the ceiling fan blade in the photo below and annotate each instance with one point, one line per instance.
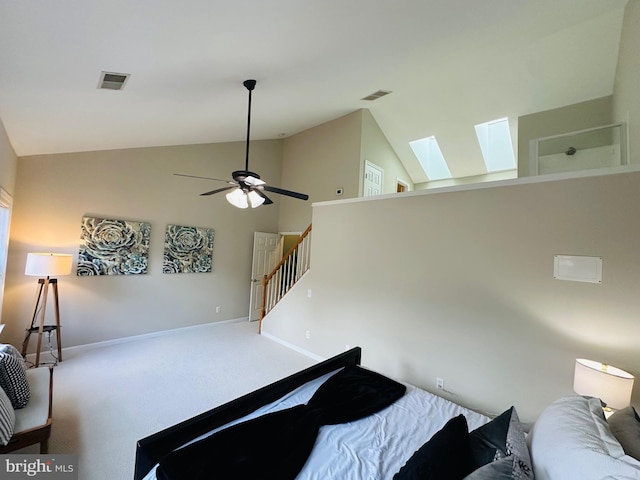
(289, 193)
(218, 190)
(267, 200)
(205, 178)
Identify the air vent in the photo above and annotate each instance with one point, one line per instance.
(376, 95)
(113, 81)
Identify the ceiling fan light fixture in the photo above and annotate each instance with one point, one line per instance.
(237, 198)
(255, 200)
(247, 189)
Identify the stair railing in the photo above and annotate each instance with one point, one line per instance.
(285, 274)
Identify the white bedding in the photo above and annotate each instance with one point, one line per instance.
(375, 447)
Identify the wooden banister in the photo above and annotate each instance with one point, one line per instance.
(285, 274)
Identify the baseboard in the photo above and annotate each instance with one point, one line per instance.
(135, 338)
(296, 348)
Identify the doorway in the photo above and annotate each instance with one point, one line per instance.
(6, 203)
(373, 179)
(266, 255)
(268, 250)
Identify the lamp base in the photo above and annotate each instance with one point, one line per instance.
(37, 321)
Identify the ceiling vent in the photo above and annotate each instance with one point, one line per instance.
(376, 95)
(113, 81)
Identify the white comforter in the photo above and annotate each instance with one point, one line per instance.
(375, 447)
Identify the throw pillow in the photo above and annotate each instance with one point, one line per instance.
(446, 456)
(571, 439)
(13, 379)
(625, 426)
(7, 418)
(502, 437)
(499, 470)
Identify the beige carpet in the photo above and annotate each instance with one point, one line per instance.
(108, 397)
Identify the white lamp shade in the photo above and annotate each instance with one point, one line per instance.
(48, 264)
(254, 199)
(237, 198)
(610, 384)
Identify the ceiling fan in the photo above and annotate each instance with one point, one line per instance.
(247, 189)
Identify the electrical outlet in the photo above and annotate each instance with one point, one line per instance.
(217, 309)
(440, 383)
(307, 334)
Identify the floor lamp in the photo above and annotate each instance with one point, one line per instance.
(45, 266)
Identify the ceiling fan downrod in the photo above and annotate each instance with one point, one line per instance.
(249, 85)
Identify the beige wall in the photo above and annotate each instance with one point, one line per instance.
(572, 118)
(626, 105)
(622, 106)
(377, 149)
(52, 194)
(316, 162)
(8, 162)
(330, 156)
(458, 284)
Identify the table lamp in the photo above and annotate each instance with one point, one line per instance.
(608, 383)
(45, 266)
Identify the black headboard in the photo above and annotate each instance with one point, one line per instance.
(151, 449)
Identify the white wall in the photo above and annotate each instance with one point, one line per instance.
(54, 192)
(458, 284)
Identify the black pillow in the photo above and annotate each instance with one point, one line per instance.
(446, 456)
(502, 437)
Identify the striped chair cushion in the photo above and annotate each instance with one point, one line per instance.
(7, 418)
(13, 379)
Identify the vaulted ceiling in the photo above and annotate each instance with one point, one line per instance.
(449, 64)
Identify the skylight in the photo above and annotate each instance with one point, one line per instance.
(430, 157)
(495, 143)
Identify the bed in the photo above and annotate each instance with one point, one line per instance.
(413, 434)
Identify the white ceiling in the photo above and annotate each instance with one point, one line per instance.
(450, 64)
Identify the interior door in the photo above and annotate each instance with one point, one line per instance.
(373, 179)
(267, 251)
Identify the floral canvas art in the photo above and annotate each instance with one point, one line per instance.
(188, 249)
(113, 247)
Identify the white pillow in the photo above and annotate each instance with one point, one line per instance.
(571, 439)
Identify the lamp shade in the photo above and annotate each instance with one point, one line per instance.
(237, 198)
(254, 199)
(48, 264)
(610, 384)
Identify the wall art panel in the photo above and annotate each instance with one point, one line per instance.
(113, 247)
(188, 249)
